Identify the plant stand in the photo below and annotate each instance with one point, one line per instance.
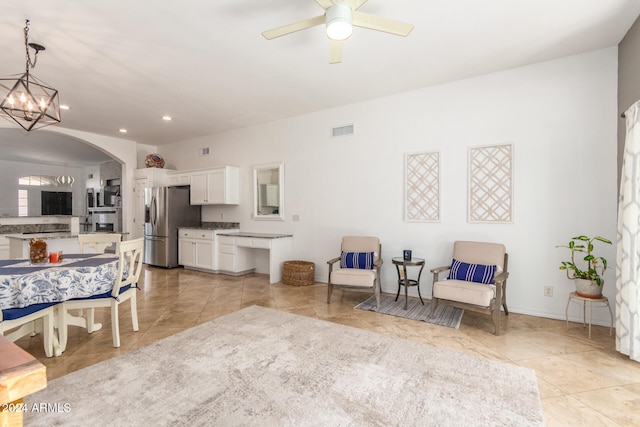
(588, 302)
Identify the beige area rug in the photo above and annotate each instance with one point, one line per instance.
(262, 367)
(444, 315)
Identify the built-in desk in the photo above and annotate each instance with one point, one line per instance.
(236, 252)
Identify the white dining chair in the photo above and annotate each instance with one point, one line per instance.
(125, 288)
(15, 323)
(99, 242)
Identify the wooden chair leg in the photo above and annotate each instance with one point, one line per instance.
(434, 305)
(62, 327)
(90, 320)
(47, 334)
(504, 299)
(134, 312)
(495, 314)
(329, 291)
(115, 324)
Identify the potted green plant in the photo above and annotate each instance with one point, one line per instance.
(588, 278)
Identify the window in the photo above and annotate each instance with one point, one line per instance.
(35, 180)
(23, 202)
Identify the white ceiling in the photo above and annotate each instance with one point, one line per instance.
(124, 64)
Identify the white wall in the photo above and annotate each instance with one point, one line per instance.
(559, 115)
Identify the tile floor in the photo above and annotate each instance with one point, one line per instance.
(581, 381)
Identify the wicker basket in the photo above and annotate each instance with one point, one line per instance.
(298, 273)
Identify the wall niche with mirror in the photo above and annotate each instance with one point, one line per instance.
(268, 191)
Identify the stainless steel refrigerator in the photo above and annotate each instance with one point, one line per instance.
(166, 209)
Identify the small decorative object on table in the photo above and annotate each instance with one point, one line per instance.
(298, 273)
(38, 251)
(55, 257)
(154, 160)
(406, 254)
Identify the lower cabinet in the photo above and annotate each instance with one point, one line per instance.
(233, 258)
(4, 248)
(196, 248)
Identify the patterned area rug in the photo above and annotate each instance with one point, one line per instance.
(263, 367)
(444, 315)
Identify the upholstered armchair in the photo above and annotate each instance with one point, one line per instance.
(359, 269)
(477, 280)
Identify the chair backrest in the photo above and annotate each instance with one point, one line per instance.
(99, 242)
(129, 264)
(361, 244)
(479, 253)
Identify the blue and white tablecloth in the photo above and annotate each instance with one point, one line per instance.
(77, 276)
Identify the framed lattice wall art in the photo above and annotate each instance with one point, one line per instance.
(422, 187)
(491, 184)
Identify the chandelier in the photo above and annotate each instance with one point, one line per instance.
(65, 180)
(25, 99)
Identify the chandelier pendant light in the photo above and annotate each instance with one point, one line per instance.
(65, 180)
(28, 101)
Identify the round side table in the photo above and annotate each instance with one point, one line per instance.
(403, 278)
(588, 302)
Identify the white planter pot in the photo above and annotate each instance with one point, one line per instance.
(589, 288)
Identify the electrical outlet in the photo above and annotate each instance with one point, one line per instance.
(548, 291)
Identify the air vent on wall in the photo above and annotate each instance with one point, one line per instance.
(204, 151)
(343, 130)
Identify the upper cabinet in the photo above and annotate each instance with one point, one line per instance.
(156, 177)
(219, 186)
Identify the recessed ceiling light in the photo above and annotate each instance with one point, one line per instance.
(64, 107)
(122, 130)
(166, 118)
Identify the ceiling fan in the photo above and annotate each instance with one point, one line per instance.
(339, 17)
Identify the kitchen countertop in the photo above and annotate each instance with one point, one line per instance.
(254, 234)
(43, 236)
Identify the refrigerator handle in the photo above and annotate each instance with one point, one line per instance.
(154, 212)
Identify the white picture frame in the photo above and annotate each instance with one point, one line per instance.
(490, 184)
(422, 186)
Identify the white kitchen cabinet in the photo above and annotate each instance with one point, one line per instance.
(4, 248)
(232, 258)
(186, 252)
(156, 177)
(196, 248)
(179, 178)
(219, 186)
(139, 184)
(237, 254)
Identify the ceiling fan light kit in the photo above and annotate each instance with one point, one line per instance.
(25, 99)
(340, 16)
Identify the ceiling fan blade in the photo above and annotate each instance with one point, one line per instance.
(335, 51)
(325, 4)
(379, 23)
(292, 28)
(355, 4)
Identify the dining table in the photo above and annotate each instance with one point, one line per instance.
(23, 283)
